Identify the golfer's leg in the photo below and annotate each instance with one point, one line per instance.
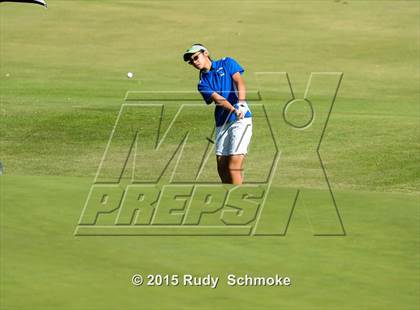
(220, 170)
(236, 168)
(223, 168)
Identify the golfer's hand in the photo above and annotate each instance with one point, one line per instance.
(239, 114)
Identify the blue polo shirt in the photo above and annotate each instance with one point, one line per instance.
(219, 79)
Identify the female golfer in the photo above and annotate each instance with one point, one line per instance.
(221, 82)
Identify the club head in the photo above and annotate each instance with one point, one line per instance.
(40, 2)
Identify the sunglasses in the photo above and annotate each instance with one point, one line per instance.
(194, 58)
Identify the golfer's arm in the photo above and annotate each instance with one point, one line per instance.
(222, 102)
(240, 85)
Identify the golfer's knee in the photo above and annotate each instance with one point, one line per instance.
(221, 171)
(235, 167)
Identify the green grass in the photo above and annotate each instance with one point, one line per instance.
(62, 83)
(372, 267)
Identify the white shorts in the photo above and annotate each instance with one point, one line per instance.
(233, 138)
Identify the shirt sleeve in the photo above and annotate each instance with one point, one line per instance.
(205, 91)
(232, 66)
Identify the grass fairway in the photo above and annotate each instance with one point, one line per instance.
(63, 81)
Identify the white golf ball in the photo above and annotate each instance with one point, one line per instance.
(130, 75)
